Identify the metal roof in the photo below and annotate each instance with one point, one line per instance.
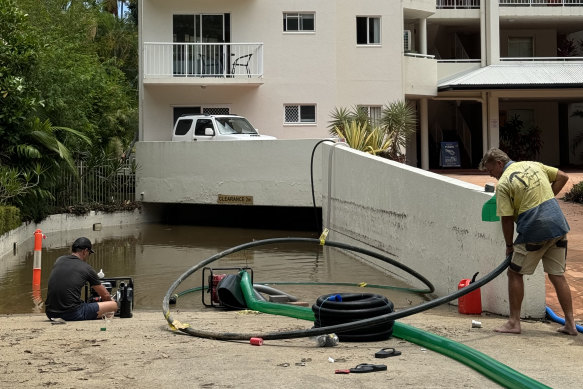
(518, 75)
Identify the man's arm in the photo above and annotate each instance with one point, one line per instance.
(559, 182)
(102, 292)
(508, 231)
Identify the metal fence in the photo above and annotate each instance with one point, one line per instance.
(112, 182)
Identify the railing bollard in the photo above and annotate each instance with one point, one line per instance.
(36, 266)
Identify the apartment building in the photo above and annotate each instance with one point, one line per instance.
(468, 66)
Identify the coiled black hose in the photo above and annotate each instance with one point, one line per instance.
(322, 330)
(338, 308)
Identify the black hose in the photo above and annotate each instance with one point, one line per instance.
(338, 308)
(318, 224)
(322, 330)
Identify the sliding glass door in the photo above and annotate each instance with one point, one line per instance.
(208, 58)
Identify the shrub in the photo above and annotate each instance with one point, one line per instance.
(575, 194)
(9, 218)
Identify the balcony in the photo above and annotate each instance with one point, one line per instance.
(203, 63)
(541, 3)
(458, 4)
(419, 74)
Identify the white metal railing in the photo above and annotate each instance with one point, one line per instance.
(240, 60)
(458, 4)
(458, 60)
(541, 3)
(112, 182)
(417, 55)
(543, 59)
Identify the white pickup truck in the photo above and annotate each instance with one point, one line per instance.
(190, 128)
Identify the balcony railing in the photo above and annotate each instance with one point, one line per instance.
(458, 4)
(226, 60)
(541, 3)
(542, 59)
(469, 4)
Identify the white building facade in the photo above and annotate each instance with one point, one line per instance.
(285, 65)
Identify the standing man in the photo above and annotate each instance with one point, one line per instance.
(525, 194)
(69, 275)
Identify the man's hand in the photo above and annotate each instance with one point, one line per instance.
(102, 292)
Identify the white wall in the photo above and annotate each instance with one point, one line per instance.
(274, 172)
(325, 68)
(61, 230)
(426, 221)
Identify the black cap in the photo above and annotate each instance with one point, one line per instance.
(82, 243)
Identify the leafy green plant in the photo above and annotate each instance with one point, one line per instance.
(575, 194)
(397, 124)
(362, 137)
(521, 144)
(9, 218)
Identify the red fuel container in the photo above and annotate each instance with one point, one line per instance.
(471, 303)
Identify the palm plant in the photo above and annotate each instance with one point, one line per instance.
(362, 137)
(341, 116)
(399, 122)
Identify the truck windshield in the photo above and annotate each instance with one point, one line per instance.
(234, 125)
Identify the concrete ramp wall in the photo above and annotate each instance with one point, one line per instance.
(266, 172)
(426, 221)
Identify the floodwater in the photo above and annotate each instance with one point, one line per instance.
(156, 255)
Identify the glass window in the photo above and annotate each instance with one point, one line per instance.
(298, 21)
(183, 126)
(373, 112)
(234, 125)
(521, 47)
(368, 30)
(300, 114)
(201, 124)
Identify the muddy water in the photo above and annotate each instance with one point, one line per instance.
(155, 255)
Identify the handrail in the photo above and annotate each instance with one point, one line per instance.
(548, 59)
(417, 55)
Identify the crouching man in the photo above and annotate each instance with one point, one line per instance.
(68, 277)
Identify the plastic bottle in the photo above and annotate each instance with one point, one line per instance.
(328, 340)
(101, 274)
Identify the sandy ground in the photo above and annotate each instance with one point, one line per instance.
(142, 352)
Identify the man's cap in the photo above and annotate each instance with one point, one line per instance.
(82, 243)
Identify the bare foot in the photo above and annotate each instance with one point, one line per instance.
(568, 331)
(509, 328)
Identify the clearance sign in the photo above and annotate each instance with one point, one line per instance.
(235, 199)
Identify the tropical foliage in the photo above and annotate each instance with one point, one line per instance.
(520, 143)
(68, 91)
(387, 138)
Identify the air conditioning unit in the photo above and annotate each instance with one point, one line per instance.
(407, 40)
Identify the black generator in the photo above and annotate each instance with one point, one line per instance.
(121, 290)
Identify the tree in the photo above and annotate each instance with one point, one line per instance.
(18, 58)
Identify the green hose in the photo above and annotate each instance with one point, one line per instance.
(483, 364)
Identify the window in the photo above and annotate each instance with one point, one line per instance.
(201, 124)
(183, 127)
(373, 112)
(368, 30)
(300, 114)
(521, 47)
(298, 21)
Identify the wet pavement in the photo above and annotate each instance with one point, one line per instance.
(574, 214)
